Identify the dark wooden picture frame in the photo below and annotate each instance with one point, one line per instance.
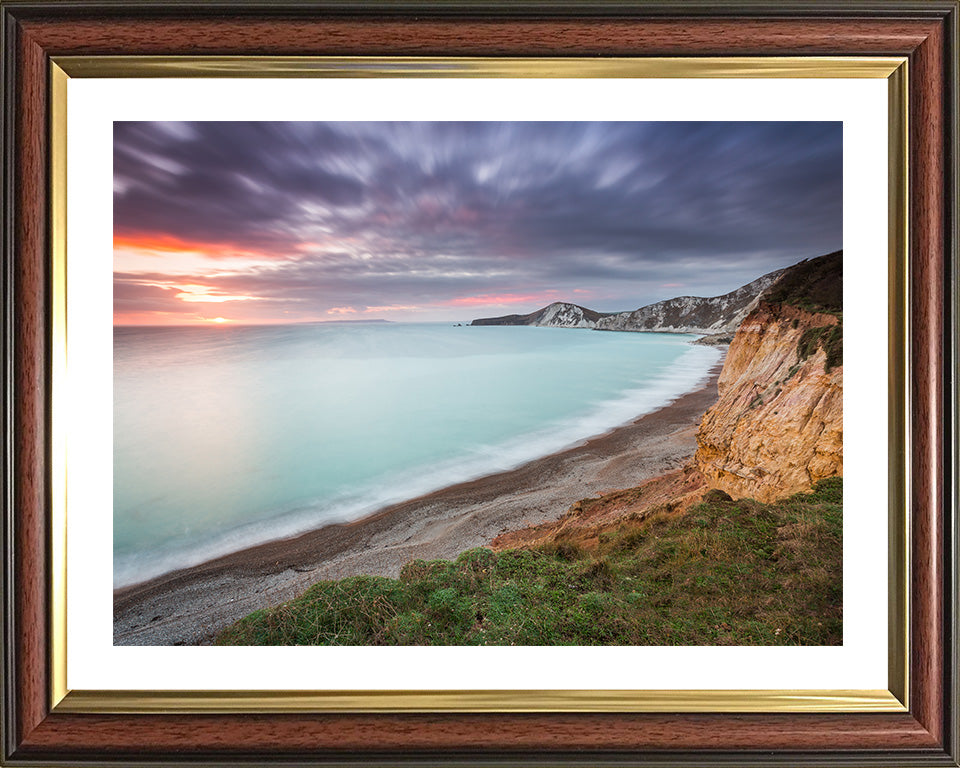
(924, 32)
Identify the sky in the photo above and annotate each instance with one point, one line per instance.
(267, 222)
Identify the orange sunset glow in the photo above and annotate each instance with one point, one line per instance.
(351, 222)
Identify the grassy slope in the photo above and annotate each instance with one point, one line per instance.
(725, 572)
(815, 285)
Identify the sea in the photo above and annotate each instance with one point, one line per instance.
(230, 436)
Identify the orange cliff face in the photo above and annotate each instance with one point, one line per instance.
(777, 426)
(775, 430)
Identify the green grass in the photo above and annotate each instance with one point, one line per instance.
(827, 337)
(725, 572)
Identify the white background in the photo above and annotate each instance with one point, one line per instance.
(93, 662)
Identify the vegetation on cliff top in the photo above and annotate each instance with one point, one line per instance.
(724, 573)
(827, 337)
(815, 285)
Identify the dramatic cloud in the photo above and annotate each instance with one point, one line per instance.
(273, 222)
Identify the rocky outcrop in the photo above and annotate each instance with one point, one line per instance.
(777, 426)
(692, 314)
(560, 314)
(715, 339)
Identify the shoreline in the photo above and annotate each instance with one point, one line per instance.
(189, 606)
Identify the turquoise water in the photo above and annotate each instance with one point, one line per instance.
(229, 436)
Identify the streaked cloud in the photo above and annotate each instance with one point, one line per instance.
(282, 222)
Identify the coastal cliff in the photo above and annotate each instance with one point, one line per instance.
(560, 314)
(777, 427)
(682, 314)
(693, 314)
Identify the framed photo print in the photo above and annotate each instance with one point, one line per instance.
(460, 383)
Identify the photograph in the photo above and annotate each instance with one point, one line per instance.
(478, 383)
(391, 383)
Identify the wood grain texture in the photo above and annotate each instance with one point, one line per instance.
(43, 736)
(927, 355)
(29, 372)
(426, 37)
(297, 735)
